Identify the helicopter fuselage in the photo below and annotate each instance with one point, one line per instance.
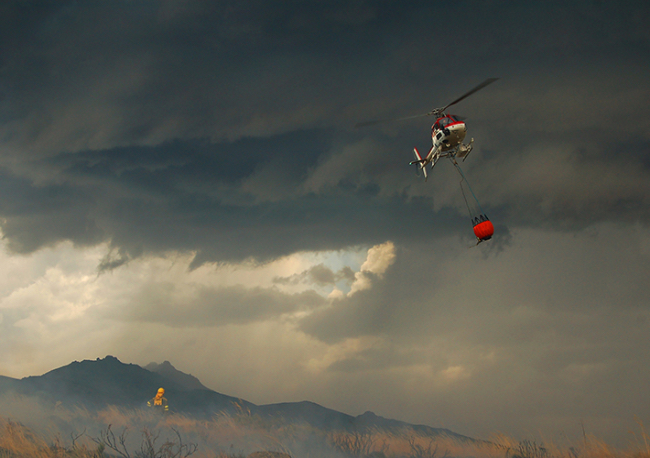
(448, 132)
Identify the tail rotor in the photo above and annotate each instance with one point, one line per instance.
(420, 164)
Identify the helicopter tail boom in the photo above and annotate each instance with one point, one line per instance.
(434, 154)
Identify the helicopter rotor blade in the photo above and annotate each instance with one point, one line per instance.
(434, 112)
(467, 94)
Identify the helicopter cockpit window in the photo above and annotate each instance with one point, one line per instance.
(443, 122)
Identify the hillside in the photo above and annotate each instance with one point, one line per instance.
(94, 385)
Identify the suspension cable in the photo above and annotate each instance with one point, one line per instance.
(469, 211)
(460, 171)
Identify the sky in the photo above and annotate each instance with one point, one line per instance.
(182, 181)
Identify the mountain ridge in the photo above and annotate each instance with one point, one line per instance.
(170, 372)
(108, 381)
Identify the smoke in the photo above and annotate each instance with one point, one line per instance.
(128, 430)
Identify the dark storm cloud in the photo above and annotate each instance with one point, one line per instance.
(37, 216)
(107, 74)
(188, 196)
(557, 188)
(104, 74)
(139, 117)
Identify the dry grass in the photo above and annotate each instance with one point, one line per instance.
(139, 433)
(16, 440)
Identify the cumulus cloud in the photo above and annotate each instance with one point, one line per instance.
(380, 257)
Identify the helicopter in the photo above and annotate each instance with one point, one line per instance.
(447, 133)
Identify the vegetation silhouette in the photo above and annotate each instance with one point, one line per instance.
(111, 433)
